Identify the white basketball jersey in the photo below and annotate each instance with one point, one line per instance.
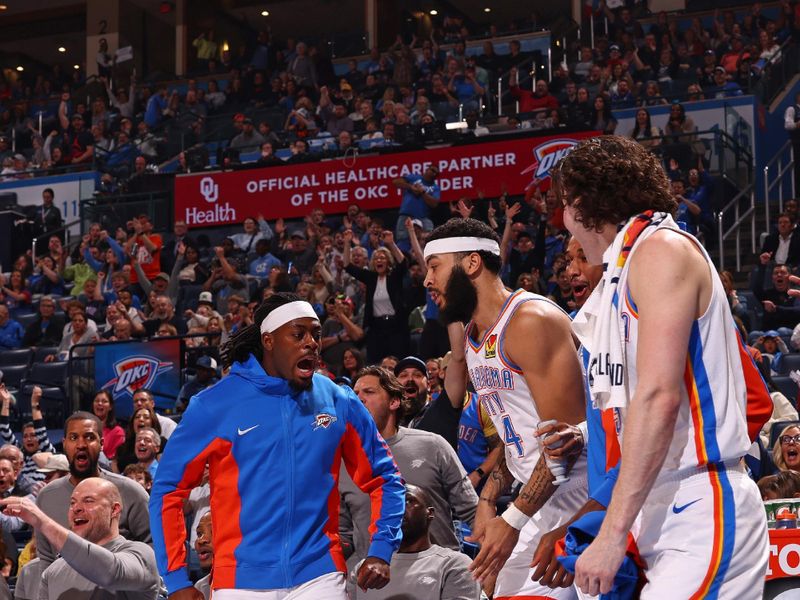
(504, 393)
(721, 383)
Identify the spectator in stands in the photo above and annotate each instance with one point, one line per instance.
(140, 475)
(783, 245)
(164, 313)
(13, 292)
(688, 214)
(204, 547)
(143, 398)
(126, 452)
(82, 445)
(440, 473)
(352, 363)
(420, 568)
(145, 247)
(15, 483)
(147, 449)
(780, 309)
(113, 434)
(77, 140)
(267, 157)
(301, 252)
(255, 229)
(205, 376)
(47, 329)
(11, 332)
(784, 484)
(301, 67)
(721, 87)
(644, 132)
(80, 335)
(34, 434)
(786, 452)
(602, 119)
(622, 97)
(249, 139)
(48, 216)
(531, 101)
(384, 314)
(339, 332)
(94, 555)
(334, 113)
(421, 196)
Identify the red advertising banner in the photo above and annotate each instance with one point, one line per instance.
(784, 553)
(292, 191)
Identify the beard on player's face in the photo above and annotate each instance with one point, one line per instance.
(460, 297)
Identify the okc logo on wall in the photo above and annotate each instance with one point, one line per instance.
(491, 346)
(136, 372)
(547, 155)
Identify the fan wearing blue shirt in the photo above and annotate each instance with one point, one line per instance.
(421, 194)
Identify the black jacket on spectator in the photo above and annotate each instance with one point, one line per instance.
(151, 325)
(168, 252)
(787, 310)
(771, 246)
(41, 334)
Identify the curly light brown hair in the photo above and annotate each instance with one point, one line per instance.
(610, 178)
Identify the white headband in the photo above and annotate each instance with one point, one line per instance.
(461, 244)
(288, 312)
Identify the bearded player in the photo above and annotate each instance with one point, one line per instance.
(522, 362)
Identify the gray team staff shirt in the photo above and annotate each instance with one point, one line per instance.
(434, 574)
(426, 460)
(118, 570)
(134, 521)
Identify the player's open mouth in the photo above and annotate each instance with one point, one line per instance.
(438, 299)
(306, 366)
(204, 555)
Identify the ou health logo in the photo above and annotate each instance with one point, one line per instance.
(136, 372)
(209, 189)
(547, 155)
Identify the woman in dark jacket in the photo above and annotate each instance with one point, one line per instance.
(385, 316)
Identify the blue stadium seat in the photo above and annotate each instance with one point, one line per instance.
(789, 362)
(27, 319)
(787, 387)
(42, 352)
(52, 374)
(13, 375)
(21, 356)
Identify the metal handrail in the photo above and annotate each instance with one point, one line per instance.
(735, 227)
(64, 228)
(782, 171)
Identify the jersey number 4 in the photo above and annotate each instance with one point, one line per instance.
(511, 437)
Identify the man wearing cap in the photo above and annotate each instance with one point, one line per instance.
(249, 140)
(302, 252)
(723, 88)
(53, 466)
(334, 114)
(270, 432)
(205, 376)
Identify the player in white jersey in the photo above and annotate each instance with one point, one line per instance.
(665, 352)
(522, 362)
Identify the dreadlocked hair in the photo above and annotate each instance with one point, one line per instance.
(247, 340)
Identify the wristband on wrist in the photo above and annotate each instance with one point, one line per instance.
(480, 472)
(515, 517)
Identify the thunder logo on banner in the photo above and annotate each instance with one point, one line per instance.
(124, 368)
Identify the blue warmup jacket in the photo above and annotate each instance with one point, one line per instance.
(274, 455)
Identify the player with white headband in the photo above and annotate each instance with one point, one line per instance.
(523, 364)
(273, 433)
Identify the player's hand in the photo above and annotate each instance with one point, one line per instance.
(373, 574)
(485, 512)
(547, 570)
(188, 593)
(499, 539)
(598, 565)
(572, 436)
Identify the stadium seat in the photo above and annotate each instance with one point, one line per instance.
(26, 319)
(21, 356)
(52, 374)
(787, 387)
(789, 363)
(13, 375)
(42, 352)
